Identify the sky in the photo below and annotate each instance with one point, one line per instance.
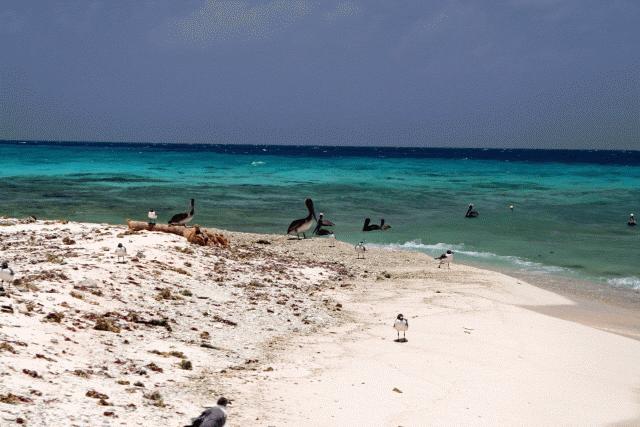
(450, 73)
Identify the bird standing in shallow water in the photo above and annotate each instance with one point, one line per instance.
(121, 252)
(303, 224)
(401, 325)
(319, 231)
(184, 217)
(213, 417)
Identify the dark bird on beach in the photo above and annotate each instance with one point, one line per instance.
(319, 231)
(213, 417)
(303, 224)
(184, 217)
(471, 213)
(632, 220)
(445, 258)
(401, 325)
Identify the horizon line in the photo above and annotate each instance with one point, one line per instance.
(45, 141)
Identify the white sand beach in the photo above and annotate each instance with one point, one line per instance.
(294, 332)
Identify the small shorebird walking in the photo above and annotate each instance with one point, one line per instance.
(446, 258)
(360, 250)
(303, 224)
(121, 252)
(401, 325)
(6, 274)
(213, 417)
(184, 217)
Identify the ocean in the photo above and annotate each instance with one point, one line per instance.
(569, 218)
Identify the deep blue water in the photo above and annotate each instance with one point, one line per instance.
(569, 219)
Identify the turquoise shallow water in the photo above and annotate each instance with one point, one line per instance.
(569, 219)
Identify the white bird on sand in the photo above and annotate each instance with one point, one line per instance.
(401, 325)
(153, 216)
(213, 417)
(445, 258)
(360, 250)
(6, 274)
(121, 252)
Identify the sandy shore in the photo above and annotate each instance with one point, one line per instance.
(295, 332)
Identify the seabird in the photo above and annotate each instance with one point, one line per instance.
(384, 226)
(632, 220)
(511, 207)
(303, 224)
(360, 250)
(471, 213)
(184, 217)
(213, 417)
(445, 258)
(152, 215)
(401, 325)
(319, 231)
(368, 226)
(121, 252)
(6, 274)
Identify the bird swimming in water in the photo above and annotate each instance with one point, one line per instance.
(319, 231)
(445, 258)
(401, 325)
(213, 417)
(184, 217)
(153, 216)
(303, 224)
(360, 250)
(121, 252)
(632, 221)
(6, 274)
(471, 213)
(368, 226)
(511, 207)
(384, 226)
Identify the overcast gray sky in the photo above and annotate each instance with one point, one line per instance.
(512, 73)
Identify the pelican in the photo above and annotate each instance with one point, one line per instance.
(184, 217)
(6, 274)
(121, 252)
(632, 220)
(303, 224)
(384, 226)
(319, 231)
(445, 258)
(360, 250)
(471, 213)
(401, 325)
(368, 226)
(213, 417)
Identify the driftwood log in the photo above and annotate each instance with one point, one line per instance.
(196, 235)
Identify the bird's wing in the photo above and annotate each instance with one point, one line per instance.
(293, 225)
(326, 223)
(178, 217)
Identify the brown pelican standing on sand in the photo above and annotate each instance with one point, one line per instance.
(471, 213)
(319, 231)
(303, 224)
(184, 217)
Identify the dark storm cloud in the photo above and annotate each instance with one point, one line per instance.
(517, 73)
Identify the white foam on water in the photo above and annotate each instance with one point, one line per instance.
(514, 261)
(632, 282)
(257, 163)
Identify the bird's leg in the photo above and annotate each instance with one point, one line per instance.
(398, 334)
(304, 235)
